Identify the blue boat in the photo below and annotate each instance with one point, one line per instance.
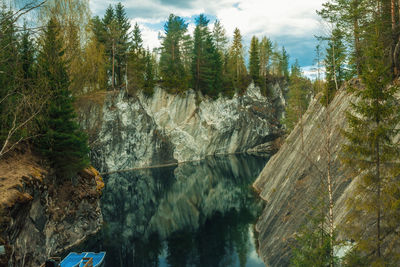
(84, 259)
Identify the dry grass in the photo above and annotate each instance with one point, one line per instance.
(17, 169)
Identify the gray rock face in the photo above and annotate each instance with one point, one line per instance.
(129, 132)
(291, 179)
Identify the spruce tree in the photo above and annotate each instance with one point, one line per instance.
(297, 97)
(136, 63)
(372, 154)
(122, 43)
(265, 62)
(206, 61)
(219, 37)
(236, 66)
(26, 52)
(284, 64)
(149, 81)
(62, 141)
(172, 70)
(254, 64)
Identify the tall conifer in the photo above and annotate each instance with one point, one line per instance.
(62, 141)
(372, 153)
(254, 64)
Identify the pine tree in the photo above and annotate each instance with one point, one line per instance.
(372, 153)
(172, 70)
(254, 64)
(297, 97)
(26, 52)
(62, 141)
(219, 37)
(334, 62)
(237, 68)
(206, 62)
(284, 64)
(136, 70)
(312, 244)
(149, 81)
(265, 62)
(106, 33)
(122, 43)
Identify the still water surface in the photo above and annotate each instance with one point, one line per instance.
(195, 214)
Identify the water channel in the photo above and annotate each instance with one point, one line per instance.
(194, 214)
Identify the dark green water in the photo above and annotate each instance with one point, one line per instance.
(194, 214)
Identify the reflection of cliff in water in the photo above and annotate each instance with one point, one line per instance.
(196, 214)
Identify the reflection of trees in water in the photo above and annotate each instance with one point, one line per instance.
(202, 210)
(223, 240)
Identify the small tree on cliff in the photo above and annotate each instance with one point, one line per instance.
(297, 102)
(62, 141)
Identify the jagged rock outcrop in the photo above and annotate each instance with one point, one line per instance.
(128, 132)
(39, 220)
(291, 179)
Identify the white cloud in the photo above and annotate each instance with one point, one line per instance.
(272, 17)
(259, 17)
(282, 20)
(311, 72)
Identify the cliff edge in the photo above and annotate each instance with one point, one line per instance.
(137, 131)
(39, 220)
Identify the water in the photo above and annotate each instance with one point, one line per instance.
(194, 214)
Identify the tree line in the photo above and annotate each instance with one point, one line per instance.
(66, 53)
(204, 62)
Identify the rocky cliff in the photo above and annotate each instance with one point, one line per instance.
(290, 181)
(135, 131)
(39, 220)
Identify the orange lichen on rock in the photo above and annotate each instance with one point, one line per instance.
(91, 172)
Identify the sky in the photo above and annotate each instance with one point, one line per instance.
(291, 23)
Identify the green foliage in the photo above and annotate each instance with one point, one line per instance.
(172, 70)
(354, 258)
(206, 60)
(312, 248)
(254, 64)
(299, 87)
(136, 62)
(112, 31)
(62, 141)
(312, 244)
(26, 51)
(265, 55)
(149, 81)
(284, 64)
(219, 37)
(236, 69)
(372, 153)
(334, 62)
(121, 42)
